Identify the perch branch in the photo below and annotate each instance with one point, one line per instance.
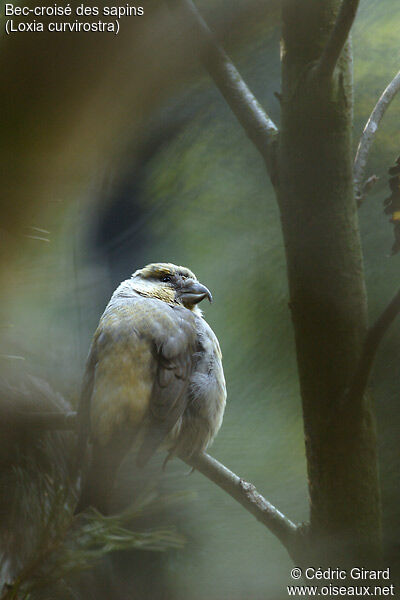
(258, 126)
(335, 44)
(246, 494)
(368, 136)
(372, 341)
(243, 492)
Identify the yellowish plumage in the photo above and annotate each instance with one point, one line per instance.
(154, 368)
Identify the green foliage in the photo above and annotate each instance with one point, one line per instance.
(69, 544)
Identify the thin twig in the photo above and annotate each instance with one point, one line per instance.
(43, 420)
(258, 126)
(365, 189)
(372, 341)
(338, 38)
(246, 494)
(368, 135)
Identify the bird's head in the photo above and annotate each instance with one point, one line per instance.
(172, 284)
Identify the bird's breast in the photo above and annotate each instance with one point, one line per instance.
(123, 384)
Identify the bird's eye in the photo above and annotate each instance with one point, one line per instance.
(166, 278)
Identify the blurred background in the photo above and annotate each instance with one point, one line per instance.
(119, 151)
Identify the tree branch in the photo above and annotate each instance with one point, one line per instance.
(258, 126)
(243, 492)
(40, 420)
(338, 38)
(246, 494)
(368, 136)
(372, 341)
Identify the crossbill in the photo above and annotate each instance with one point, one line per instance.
(153, 378)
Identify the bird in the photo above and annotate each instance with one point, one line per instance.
(153, 378)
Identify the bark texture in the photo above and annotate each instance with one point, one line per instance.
(326, 281)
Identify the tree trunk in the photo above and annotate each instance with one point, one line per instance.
(327, 290)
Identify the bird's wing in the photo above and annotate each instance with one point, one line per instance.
(134, 322)
(174, 336)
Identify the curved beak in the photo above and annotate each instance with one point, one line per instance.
(193, 292)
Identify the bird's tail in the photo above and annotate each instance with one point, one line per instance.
(99, 481)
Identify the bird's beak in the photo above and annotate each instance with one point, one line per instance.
(194, 292)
